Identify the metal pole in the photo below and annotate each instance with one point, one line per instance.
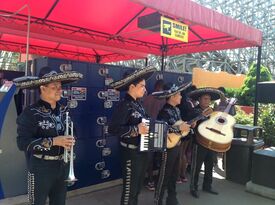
(163, 53)
(162, 61)
(28, 39)
(258, 78)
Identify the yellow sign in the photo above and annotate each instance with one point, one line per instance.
(173, 29)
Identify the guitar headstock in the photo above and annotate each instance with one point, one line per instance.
(206, 112)
(232, 101)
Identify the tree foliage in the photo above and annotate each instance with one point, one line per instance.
(246, 96)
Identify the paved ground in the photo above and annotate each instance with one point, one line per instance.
(229, 194)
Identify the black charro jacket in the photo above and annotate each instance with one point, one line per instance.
(37, 125)
(125, 119)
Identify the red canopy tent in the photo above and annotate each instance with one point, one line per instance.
(107, 31)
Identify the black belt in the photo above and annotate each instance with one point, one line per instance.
(130, 146)
(48, 157)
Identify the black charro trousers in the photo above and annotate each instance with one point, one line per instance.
(201, 155)
(134, 165)
(46, 178)
(168, 175)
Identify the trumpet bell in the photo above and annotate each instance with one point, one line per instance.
(71, 181)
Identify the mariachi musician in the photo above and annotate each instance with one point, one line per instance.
(168, 174)
(201, 154)
(40, 129)
(126, 123)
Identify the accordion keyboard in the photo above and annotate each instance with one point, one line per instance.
(155, 140)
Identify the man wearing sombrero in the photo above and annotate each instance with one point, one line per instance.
(169, 170)
(126, 123)
(40, 129)
(202, 154)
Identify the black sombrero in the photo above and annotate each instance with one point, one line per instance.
(172, 91)
(215, 94)
(47, 75)
(124, 83)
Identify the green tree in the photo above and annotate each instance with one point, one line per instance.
(247, 92)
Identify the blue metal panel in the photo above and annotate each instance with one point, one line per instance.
(86, 125)
(86, 175)
(112, 161)
(4, 104)
(95, 103)
(86, 150)
(55, 63)
(168, 77)
(96, 129)
(81, 125)
(96, 79)
(173, 78)
(81, 67)
(87, 155)
(114, 72)
(151, 81)
(1, 192)
(83, 107)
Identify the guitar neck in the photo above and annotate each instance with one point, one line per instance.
(195, 119)
(230, 104)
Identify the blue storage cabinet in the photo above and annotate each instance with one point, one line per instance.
(92, 139)
(97, 152)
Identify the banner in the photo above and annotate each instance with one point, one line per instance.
(173, 29)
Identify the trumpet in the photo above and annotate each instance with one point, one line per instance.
(69, 154)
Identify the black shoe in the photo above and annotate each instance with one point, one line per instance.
(195, 193)
(211, 191)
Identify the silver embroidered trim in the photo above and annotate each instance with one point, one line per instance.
(46, 124)
(161, 178)
(31, 188)
(127, 182)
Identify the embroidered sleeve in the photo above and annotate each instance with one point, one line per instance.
(119, 125)
(27, 131)
(167, 116)
(42, 144)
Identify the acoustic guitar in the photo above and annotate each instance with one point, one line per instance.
(174, 138)
(217, 132)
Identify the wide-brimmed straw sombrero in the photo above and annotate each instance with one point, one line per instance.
(174, 89)
(215, 94)
(47, 75)
(124, 83)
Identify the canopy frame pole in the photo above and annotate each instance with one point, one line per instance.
(258, 78)
(164, 49)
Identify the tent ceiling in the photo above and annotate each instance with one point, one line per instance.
(106, 30)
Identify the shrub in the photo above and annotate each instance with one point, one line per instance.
(267, 122)
(247, 92)
(243, 118)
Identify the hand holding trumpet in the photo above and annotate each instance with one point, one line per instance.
(65, 141)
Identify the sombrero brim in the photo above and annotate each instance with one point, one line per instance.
(124, 83)
(169, 93)
(30, 82)
(214, 93)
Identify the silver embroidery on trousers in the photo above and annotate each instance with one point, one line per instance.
(161, 178)
(31, 188)
(127, 182)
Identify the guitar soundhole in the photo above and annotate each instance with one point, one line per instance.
(221, 120)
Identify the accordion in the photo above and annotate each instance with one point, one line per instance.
(155, 140)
